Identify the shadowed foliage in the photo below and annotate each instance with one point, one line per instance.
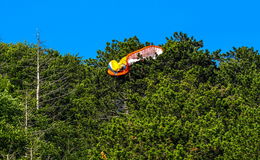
(181, 105)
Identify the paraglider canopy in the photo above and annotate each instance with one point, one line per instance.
(123, 67)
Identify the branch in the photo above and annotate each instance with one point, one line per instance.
(56, 97)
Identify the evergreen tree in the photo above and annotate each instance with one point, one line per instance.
(188, 103)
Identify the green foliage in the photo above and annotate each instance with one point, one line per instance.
(179, 106)
(12, 135)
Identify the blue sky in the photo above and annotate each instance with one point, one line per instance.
(84, 26)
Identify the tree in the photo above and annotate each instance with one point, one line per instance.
(12, 134)
(188, 103)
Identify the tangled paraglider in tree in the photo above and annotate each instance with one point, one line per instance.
(123, 67)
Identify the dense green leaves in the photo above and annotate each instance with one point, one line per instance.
(178, 106)
(12, 135)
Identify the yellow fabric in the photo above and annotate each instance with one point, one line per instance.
(123, 61)
(114, 65)
(117, 66)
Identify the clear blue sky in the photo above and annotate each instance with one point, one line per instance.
(84, 26)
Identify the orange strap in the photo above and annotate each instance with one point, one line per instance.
(125, 71)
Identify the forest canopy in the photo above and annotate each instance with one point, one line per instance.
(188, 103)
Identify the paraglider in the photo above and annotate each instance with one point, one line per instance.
(123, 67)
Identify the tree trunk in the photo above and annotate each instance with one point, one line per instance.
(38, 73)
